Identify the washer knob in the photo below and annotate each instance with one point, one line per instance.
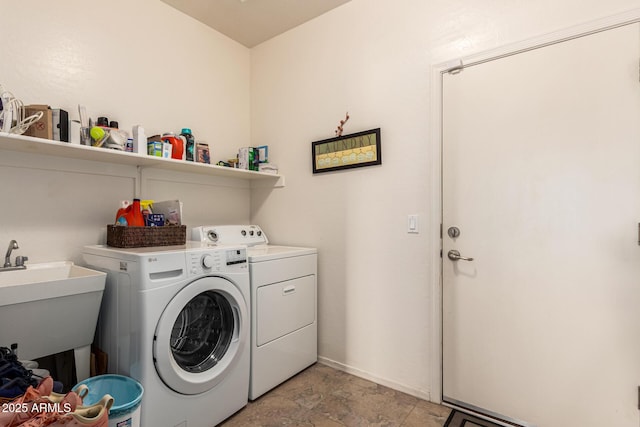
(259, 233)
(243, 232)
(207, 261)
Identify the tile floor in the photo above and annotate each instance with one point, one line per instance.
(321, 396)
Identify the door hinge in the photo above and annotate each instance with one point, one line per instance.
(455, 67)
(639, 397)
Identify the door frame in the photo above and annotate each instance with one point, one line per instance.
(435, 158)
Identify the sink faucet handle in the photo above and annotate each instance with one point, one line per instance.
(20, 259)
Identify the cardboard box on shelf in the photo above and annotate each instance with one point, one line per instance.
(248, 158)
(154, 148)
(43, 128)
(60, 125)
(263, 154)
(203, 155)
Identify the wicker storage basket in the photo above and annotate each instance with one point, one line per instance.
(139, 237)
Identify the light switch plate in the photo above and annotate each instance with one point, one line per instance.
(412, 224)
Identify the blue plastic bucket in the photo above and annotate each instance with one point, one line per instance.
(127, 396)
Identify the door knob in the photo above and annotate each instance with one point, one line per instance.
(455, 256)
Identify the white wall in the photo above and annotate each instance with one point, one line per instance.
(374, 59)
(137, 62)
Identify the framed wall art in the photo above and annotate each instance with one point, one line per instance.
(347, 151)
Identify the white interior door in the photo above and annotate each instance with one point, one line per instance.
(541, 175)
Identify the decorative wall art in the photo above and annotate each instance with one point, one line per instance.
(346, 152)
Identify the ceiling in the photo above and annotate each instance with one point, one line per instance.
(250, 22)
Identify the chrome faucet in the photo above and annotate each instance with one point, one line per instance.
(7, 258)
(19, 259)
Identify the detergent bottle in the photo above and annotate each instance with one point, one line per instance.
(121, 218)
(190, 144)
(177, 146)
(134, 216)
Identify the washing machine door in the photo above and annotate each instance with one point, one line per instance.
(201, 335)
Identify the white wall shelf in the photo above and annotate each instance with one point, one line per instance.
(28, 144)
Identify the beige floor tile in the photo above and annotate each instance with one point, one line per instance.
(358, 402)
(322, 396)
(270, 410)
(427, 414)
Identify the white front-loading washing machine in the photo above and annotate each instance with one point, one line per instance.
(176, 319)
(284, 326)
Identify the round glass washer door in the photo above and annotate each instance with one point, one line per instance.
(201, 335)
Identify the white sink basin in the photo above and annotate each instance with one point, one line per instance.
(49, 308)
(48, 280)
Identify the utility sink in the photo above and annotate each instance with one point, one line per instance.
(49, 308)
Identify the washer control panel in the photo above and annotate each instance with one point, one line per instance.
(249, 235)
(217, 261)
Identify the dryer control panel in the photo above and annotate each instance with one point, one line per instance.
(217, 261)
(249, 235)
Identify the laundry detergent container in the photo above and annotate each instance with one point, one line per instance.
(127, 396)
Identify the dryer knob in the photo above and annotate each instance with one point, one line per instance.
(207, 261)
(243, 232)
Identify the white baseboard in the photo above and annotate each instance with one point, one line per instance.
(421, 394)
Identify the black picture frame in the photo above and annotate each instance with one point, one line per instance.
(347, 152)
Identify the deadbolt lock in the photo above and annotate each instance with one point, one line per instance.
(453, 232)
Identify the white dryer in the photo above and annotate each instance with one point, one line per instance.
(176, 319)
(284, 326)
